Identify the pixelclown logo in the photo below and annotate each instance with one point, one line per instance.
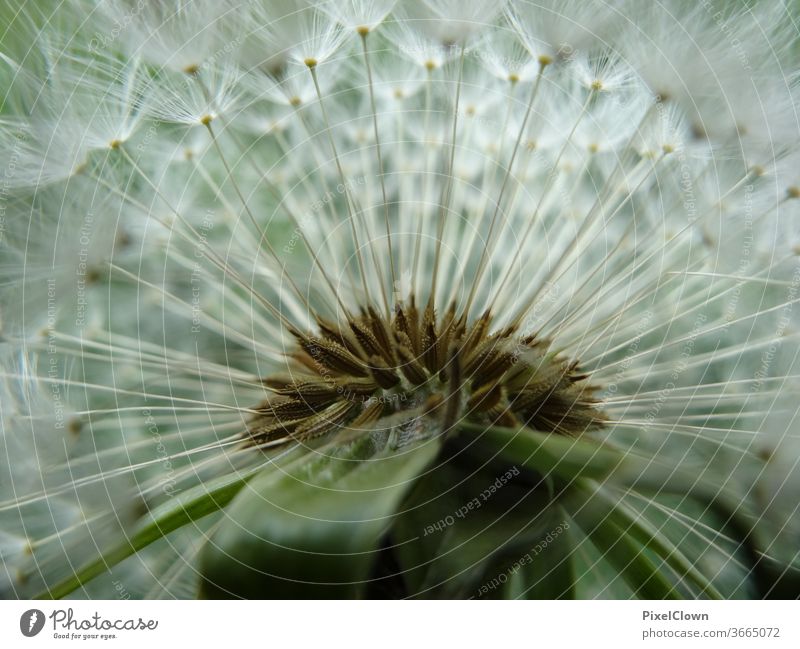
(31, 622)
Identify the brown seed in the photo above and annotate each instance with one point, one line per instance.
(384, 376)
(369, 415)
(333, 356)
(476, 334)
(290, 408)
(332, 331)
(357, 387)
(381, 332)
(347, 374)
(430, 354)
(326, 421)
(485, 397)
(269, 431)
(410, 367)
(366, 339)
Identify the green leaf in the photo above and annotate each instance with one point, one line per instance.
(621, 549)
(546, 571)
(181, 510)
(466, 521)
(548, 453)
(570, 458)
(313, 532)
(595, 577)
(709, 536)
(601, 506)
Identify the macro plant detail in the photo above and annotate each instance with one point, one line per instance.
(390, 299)
(353, 376)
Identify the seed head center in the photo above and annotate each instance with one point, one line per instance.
(350, 375)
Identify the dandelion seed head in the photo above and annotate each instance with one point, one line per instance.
(246, 238)
(352, 376)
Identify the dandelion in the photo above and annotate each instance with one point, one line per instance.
(399, 299)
